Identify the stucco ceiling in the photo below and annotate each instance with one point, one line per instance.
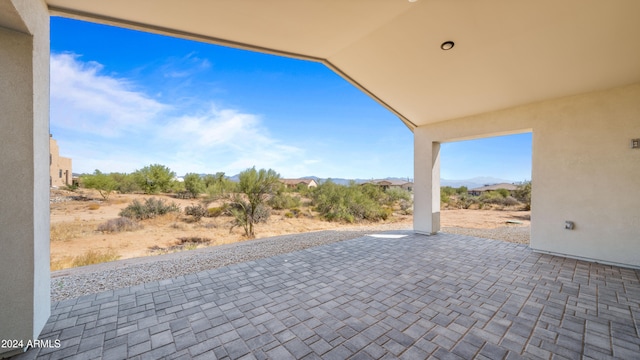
(506, 53)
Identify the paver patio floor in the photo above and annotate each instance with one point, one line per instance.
(415, 297)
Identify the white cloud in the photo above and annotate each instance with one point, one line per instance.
(111, 125)
(228, 137)
(85, 100)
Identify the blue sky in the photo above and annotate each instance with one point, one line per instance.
(122, 99)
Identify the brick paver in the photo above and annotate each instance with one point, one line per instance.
(442, 296)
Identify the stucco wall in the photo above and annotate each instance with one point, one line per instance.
(60, 171)
(583, 170)
(24, 144)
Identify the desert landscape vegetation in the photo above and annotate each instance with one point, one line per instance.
(148, 212)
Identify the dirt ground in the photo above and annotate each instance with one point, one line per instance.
(75, 217)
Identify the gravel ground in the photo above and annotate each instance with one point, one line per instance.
(72, 283)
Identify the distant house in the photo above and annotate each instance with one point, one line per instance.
(59, 167)
(494, 187)
(292, 183)
(387, 184)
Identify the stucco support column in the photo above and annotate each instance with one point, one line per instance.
(426, 187)
(25, 303)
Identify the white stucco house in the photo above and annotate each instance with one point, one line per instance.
(567, 71)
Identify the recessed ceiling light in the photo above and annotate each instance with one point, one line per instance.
(413, 0)
(447, 45)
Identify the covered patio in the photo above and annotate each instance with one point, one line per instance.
(450, 70)
(407, 296)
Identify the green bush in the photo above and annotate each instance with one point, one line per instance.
(293, 213)
(154, 178)
(282, 200)
(497, 198)
(119, 225)
(194, 184)
(126, 183)
(217, 211)
(349, 203)
(246, 216)
(151, 208)
(503, 192)
(218, 188)
(395, 195)
(523, 194)
(491, 197)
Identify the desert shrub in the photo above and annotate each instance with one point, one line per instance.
(283, 200)
(197, 211)
(497, 198)
(523, 194)
(446, 191)
(348, 203)
(464, 201)
(405, 205)
(175, 186)
(217, 211)
(445, 194)
(94, 257)
(151, 208)
(119, 225)
(491, 197)
(510, 201)
(503, 192)
(373, 192)
(302, 189)
(183, 195)
(451, 196)
(396, 195)
(295, 212)
(193, 240)
(125, 183)
(246, 216)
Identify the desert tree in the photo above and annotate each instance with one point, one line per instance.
(254, 188)
(217, 187)
(104, 183)
(154, 178)
(194, 184)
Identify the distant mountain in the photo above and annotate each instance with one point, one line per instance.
(341, 181)
(469, 183)
(474, 182)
